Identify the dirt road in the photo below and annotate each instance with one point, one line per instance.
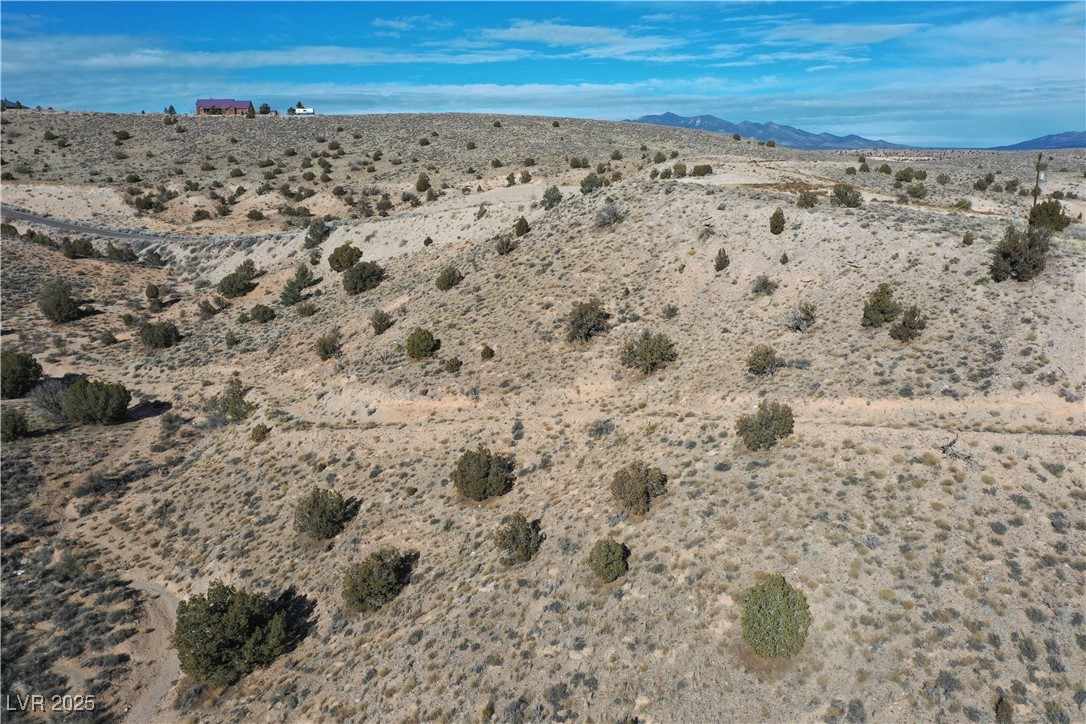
(13, 214)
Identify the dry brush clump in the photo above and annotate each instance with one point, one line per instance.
(648, 352)
(518, 540)
(635, 485)
(763, 361)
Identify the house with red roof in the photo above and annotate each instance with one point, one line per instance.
(223, 107)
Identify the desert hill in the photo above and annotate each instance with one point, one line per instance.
(928, 504)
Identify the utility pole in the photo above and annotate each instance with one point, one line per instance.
(1037, 181)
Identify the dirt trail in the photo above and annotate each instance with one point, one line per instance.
(158, 647)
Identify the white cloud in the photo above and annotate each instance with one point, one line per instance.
(840, 34)
(590, 41)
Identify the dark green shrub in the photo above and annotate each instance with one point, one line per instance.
(885, 168)
(1020, 255)
(234, 285)
(807, 200)
(635, 485)
(320, 514)
(246, 270)
(381, 321)
(521, 227)
(702, 169)
(453, 365)
(13, 424)
(905, 175)
(327, 346)
(421, 344)
(201, 215)
(344, 257)
(763, 286)
(422, 183)
(262, 313)
(968, 238)
(487, 353)
(847, 196)
(229, 405)
(222, 636)
(56, 303)
(318, 232)
(78, 249)
(19, 371)
(880, 307)
(151, 291)
(910, 326)
(917, 191)
(551, 197)
(648, 352)
(590, 183)
(722, 261)
(505, 245)
(763, 361)
(784, 258)
(585, 320)
(776, 222)
(608, 560)
(159, 335)
(679, 170)
(259, 433)
(775, 618)
(362, 277)
(291, 294)
(1048, 215)
(480, 474)
(761, 430)
(88, 402)
(518, 540)
(371, 584)
(449, 277)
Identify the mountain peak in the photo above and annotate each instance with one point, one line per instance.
(783, 135)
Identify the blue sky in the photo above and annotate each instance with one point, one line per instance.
(969, 74)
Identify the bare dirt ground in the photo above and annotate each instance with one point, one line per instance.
(940, 577)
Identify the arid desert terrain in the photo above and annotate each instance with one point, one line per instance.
(929, 503)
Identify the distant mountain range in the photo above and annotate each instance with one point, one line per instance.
(1070, 139)
(798, 138)
(782, 135)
